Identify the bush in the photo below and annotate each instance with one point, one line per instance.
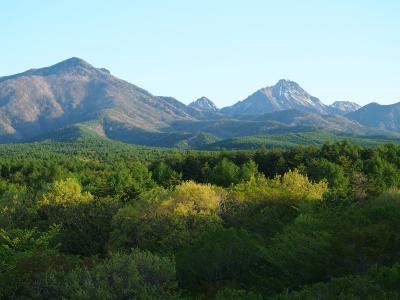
(230, 294)
(379, 283)
(17, 208)
(223, 257)
(25, 256)
(139, 275)
(85, 221)
(265, 206)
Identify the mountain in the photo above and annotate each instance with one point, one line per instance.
(385, 117)
(42, 100)
(284, 95)
(73, 100)
(192, 110)
(204, 104)
(333, 123)
(343, 107)
(279, 122)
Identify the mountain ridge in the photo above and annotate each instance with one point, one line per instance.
(285, 94)
(73, 96)
(74, 91)
(377, 115)
(343, 107)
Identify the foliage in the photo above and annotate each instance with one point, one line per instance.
(138, 275)
(377, 283)
(64, 193)
(223, 257)
(85, 221)
(295, 223)
(25, 256)
(264, 206)
(165, 175)
(165, 220)
(231, 294)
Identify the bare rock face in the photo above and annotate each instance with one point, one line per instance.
(72, 91)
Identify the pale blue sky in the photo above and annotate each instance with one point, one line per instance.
(225, 50)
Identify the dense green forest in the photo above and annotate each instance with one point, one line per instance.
(206, 141)
(290, 140)
(102, 220)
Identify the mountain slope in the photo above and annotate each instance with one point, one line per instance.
(192, 111)
(343, 107)
(333, 123)
(379, 116)
(204, 104)
(284, 95)
(282, 122)
(41, 100)
(73, 100)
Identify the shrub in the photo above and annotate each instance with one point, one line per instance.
(139, 275)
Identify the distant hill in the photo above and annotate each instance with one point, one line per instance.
(334, 123)
(375, 115)
(289, 140)
(282, 122)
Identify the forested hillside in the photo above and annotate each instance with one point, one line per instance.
(115, 221)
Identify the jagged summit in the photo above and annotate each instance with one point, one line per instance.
(287, 84)
(285, 94)
(204, 104)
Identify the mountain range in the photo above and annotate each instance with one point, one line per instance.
(71, 97)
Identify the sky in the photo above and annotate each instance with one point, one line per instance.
(222, 49)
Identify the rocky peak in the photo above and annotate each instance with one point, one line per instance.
(343, 107)
(204, 104)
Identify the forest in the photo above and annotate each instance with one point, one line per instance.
(100, 220)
